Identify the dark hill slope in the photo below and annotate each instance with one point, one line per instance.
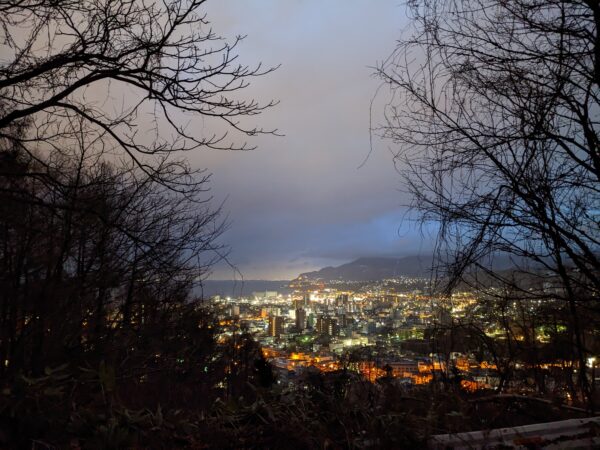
(375, 268)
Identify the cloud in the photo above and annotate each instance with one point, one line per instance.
(299, 201)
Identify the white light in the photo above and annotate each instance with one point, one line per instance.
(591, 361)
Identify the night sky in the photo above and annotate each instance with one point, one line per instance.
(301, 202)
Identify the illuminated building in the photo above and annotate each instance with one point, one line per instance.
(404, 368)
(327, 325)
(370, 327)
(341, 300)
(275, 326)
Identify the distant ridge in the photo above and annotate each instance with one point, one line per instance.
(379, 268)
(375, 268)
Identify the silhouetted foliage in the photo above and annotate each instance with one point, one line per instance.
(494, 109)
(104, 230)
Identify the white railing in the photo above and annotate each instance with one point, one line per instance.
(565, 434)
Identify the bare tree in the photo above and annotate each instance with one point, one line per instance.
(105, 228)
(495, 111)
(101, 250)
(140, 73)
(105, 222)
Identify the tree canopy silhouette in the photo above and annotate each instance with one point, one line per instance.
(138, 74)
(494, 108)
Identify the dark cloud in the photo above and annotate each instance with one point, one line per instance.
(299, 201)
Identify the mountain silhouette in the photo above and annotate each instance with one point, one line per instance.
(375, 268)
